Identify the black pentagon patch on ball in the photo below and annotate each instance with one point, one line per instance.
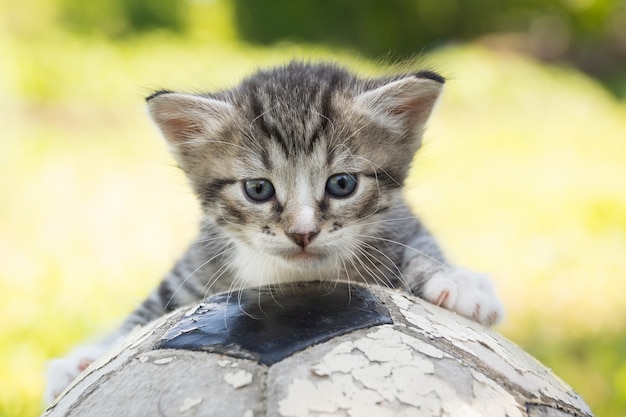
(270, 325)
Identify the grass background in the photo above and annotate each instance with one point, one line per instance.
(523, 175)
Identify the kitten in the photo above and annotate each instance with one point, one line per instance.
(299, 172)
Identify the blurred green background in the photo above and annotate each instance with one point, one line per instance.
(523, 174)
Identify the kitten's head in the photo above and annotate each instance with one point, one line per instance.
(299, 162)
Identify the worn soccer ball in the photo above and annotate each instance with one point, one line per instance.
(317, 349)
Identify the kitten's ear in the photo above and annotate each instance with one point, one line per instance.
(403, 104)
(184, 118)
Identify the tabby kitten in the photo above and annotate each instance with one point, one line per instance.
(299, 171)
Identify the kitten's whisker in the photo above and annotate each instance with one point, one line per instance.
(367, 256)
(190, 275)
(271, 288)
(215, 238)
(332, 125)
(404, 246)
(206, 289)
(382, 221)
(340, 258)
(397, 273)
(378, 280)
(375, 278)
(246, 134)
(353, 133)
(376, 167)
(258, 117)
(202, 141)
(356, 269)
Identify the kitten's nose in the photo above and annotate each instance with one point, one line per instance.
(303, 239)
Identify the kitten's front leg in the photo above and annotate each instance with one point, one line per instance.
(465, 292)
(457, 289)
(62, 371)
(174, 291)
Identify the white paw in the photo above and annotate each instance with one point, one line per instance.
(465, 292)
(62, 371)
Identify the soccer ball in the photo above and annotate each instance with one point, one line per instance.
(316, 349)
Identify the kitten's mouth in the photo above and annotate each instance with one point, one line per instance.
(303, 255)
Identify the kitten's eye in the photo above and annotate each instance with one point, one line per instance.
(341, 185)
(259, 190)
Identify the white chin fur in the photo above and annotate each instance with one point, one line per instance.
(258, 268)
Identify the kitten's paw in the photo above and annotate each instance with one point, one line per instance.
(62, 371)
(465, 292)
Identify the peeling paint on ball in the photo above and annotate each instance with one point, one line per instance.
(423, 361)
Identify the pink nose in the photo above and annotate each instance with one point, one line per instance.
(303, 239)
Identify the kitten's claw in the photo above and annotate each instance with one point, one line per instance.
(62, 371)
(443, 296)
(465, 292)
